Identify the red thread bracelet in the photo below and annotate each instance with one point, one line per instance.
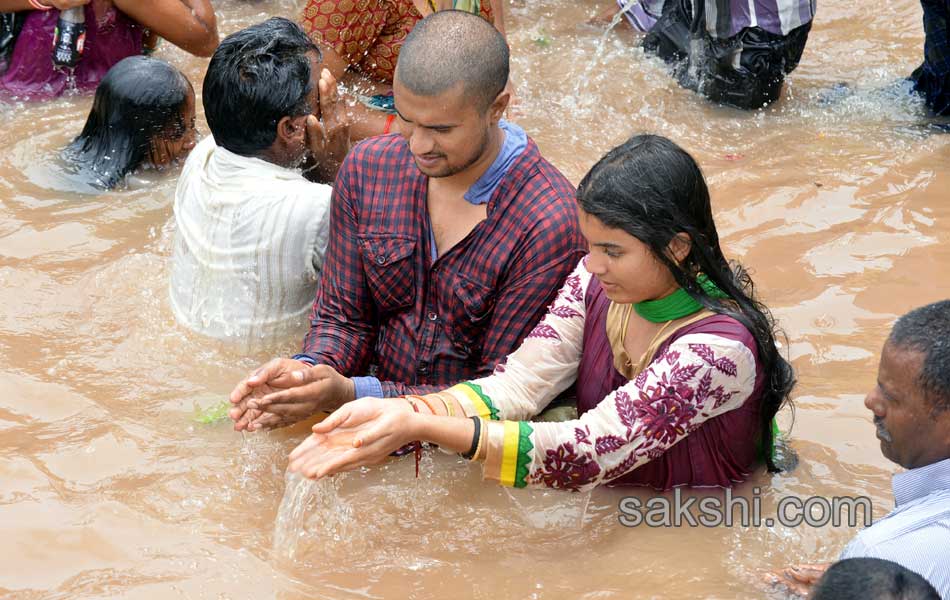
(416, 446)
(426, 402)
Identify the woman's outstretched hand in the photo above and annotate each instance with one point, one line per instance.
(360, 433)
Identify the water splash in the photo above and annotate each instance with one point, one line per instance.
(289, 524)
(583, 82)
(551, 509)
(305, 498)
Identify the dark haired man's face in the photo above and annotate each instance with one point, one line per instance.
(446, 133)
(313, 99)
(290, 147)
(911, 433)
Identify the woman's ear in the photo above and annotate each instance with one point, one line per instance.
(680, 246)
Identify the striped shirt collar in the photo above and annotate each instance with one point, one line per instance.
(921, 482)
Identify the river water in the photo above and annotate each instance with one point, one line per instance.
(110, 488)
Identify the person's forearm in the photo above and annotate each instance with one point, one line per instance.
(189, 24)
(201, 43)
(392, 389)
(203, 13)
(440, 404)
(21, 5)
(450, 433)
(500, 11)
(15, 5)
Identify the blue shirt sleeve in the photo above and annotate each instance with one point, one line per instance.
(304, 358)
(367, 386)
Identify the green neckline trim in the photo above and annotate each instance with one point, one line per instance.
(524, 454)
(769, 453)
(492, 409)
(677, 305)
(776, 432)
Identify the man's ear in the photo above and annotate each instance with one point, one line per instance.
(291, 130)
(680, 246)
(499, 105)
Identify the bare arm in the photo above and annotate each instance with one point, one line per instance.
(18, 5)
(332, 61)
(499, 9)
(189, 24)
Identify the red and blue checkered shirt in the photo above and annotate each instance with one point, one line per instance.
(383, 303)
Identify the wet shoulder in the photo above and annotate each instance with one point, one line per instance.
(724, 330)
(382, 147)
(723, 326)
(542, 201)
(544, 178)
(376, 163)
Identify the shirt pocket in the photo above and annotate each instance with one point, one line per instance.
(470, 314)
(390, 269)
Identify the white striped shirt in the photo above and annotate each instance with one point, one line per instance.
(249, 245)
(916, 534)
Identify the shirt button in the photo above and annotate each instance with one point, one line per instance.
(432, 316)
(380, 260)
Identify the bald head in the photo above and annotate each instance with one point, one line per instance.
(454, 47)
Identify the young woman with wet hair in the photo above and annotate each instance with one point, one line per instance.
(677, 373)
(143, 115)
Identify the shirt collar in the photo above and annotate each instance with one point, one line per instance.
(516, 140)
(922, 481)
(228, 164)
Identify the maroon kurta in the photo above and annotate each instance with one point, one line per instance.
(720, 452)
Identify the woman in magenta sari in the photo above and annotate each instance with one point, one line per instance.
(115, 29)
(674, 362)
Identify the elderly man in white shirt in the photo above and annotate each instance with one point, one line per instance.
(251, 229)
(911, 408)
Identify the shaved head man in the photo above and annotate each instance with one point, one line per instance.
(447, 240)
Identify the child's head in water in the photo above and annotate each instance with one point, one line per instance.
(143, 115)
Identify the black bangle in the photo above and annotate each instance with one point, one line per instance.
(478, 430)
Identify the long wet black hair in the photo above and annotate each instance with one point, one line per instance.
(652, 189)
(139, 99)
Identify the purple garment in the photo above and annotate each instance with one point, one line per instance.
(724, 19)
(721, 452)
(641, 15)
(31, 75)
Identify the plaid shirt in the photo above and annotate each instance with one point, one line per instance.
(425, 325)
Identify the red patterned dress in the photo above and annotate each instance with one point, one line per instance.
(367, 33)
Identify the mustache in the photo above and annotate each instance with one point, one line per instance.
(882, 431)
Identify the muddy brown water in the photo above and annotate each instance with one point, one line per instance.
(110, 489)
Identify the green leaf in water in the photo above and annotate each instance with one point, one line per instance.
(542, 39)
(211, 414)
